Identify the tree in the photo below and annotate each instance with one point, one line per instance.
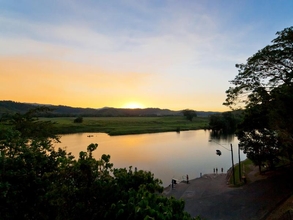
(225, 122)
(269, 68)
(38, 181)
(27, 157)
(29, 126)
(79, 119)
(263, 87)
(189, 114)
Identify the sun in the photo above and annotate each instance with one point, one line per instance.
(133, 105)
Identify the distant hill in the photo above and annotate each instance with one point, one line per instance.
(61, 110)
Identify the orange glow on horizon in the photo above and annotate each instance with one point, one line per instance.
(133, 105)
(37, 80)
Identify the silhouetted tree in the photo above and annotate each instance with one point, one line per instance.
(264, 87)
(79, 119)
(225, 122)
(189, 114)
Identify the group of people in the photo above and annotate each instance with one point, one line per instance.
(187, 177)
(216, 170)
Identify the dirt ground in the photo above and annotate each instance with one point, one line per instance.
(284, 211)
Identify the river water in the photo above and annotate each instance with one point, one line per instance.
(167, 155)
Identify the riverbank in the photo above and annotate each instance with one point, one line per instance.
(264, 197)
(127, 125)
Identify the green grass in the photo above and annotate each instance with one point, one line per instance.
(246, 166)
(127, 125)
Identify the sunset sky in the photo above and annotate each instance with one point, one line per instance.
(131, 53)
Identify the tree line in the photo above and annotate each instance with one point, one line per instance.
(67, 111)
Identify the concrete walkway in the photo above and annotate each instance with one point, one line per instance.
(211, 198)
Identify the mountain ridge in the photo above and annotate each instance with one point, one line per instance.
(8, 106)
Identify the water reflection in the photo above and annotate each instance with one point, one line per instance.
(168, 155)
(222, 137)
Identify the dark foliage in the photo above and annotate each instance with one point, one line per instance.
(189, 114)
(264, 87)
(225, 123)
(38, 181)
(78, 120)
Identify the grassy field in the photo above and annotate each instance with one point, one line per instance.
(127, 125)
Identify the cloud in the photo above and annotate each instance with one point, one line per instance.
(176, 35)
(156, 51)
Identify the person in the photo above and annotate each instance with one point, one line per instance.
(217, 170)
(222, 169)
(187, 179)
(214, 170)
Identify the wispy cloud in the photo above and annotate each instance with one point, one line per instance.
(156, 51)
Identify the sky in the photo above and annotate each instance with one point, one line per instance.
(170, 54)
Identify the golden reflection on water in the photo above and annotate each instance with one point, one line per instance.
(168, 155)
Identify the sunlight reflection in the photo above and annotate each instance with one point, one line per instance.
(168, 155)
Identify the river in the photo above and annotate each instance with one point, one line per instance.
(167, 155)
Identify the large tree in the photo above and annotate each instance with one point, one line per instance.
(264, 88)
(189, 114)
(224, 123)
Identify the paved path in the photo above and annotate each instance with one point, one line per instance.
(211, 198)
